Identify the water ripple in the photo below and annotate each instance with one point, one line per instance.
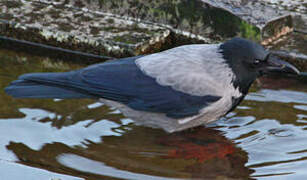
(283, 96)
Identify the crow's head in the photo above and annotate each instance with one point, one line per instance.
(250, 60)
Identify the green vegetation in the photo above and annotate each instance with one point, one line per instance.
(249, 31)
(193, 16)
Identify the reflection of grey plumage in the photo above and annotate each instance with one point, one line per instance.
(176, 89)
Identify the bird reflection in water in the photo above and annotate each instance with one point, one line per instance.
(197, 153)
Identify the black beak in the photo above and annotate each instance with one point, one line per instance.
(274, 64)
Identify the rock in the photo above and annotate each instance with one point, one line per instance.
(268, 23)
(297, 8)
(79, 29)
(121, 28)
(292, 48)
(218, 20)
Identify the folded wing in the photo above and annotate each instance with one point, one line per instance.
(119, 80)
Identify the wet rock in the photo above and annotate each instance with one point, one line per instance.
(292, 48)
(121, 28)
(79, 29)
(270, 22)
(297, 8)
(274, 18)
(258, 20)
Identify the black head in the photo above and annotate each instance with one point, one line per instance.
(250, 60)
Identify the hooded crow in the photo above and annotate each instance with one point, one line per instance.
(174, 90)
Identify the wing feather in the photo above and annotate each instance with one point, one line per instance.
(143, 92)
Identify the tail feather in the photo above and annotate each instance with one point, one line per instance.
(44, 85)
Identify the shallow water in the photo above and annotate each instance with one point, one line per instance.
(264, 138)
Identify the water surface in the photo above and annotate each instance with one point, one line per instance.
(264, 138)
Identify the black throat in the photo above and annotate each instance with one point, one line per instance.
(244, 77)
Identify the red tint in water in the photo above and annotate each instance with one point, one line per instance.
(201, 144)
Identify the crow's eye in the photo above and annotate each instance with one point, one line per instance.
(256, 62)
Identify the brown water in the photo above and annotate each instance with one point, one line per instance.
(264, 138)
